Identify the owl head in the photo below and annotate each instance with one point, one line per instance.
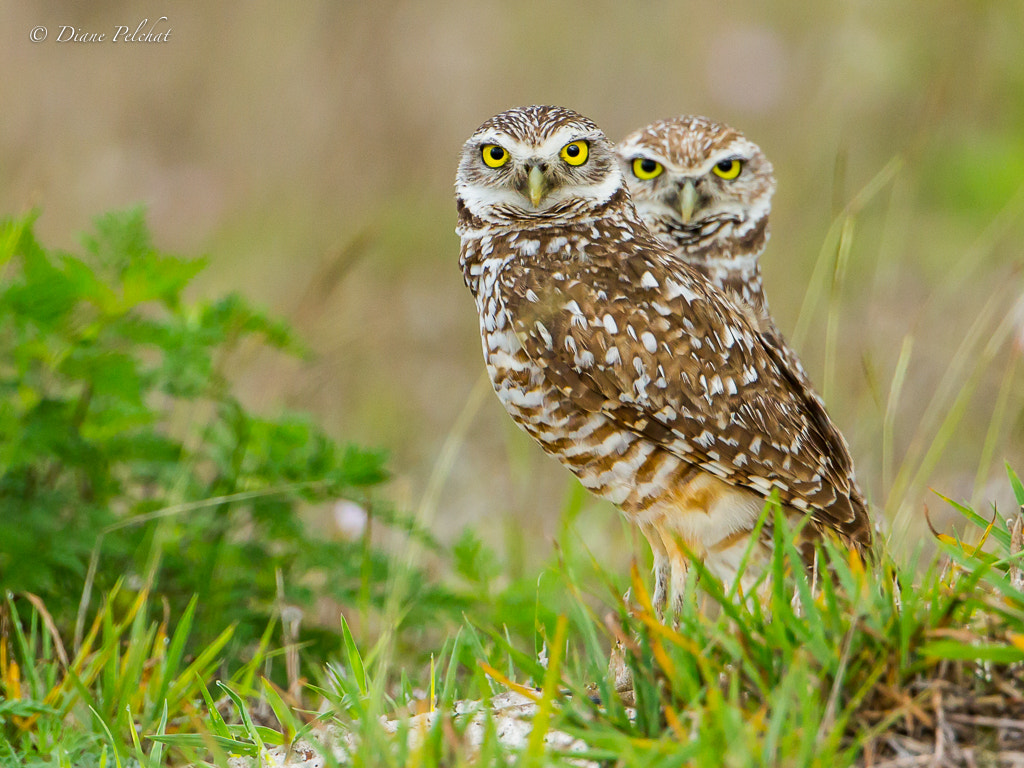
(701, 187)
(536, 164)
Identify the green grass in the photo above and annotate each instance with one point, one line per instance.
(865, 663)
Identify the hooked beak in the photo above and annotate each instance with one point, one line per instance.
(537, 185)
(687, 201)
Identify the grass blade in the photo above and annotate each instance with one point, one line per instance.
(355, 660)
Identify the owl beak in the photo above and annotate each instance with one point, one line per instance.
(687, 201)
(537, 185)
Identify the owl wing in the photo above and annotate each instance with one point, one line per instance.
(789, 364)
(656, 348)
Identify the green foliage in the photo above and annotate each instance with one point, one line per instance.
(122, 445)
(975, 174)
(805, 672)
(475, 561)
(869, 658)
(129, 675)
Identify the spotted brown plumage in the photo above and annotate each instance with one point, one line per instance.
(722, 229)
(653, 387)
(717, 225)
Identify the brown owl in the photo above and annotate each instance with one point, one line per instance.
(705, 191)
(656, 389)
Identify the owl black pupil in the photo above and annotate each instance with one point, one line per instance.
(648, 166)
(497, 153)
(726, 165)
(572, 150)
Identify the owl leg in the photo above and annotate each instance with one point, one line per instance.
(680, 570)
(662, 569)
(679, 566)
(662, 575)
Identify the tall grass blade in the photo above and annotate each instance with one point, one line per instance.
(250, 728)
(355, 659)
(175, 652)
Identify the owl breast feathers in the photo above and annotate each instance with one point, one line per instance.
(655, 388)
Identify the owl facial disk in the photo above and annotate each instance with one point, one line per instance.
(544, 162)
(545, 171)
(688, 172)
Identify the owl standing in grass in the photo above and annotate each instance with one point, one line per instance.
(660, 392)
(705, 191)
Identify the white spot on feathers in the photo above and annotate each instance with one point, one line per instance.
(668, 413)
(556, 244)
(674, 289)
(578, 318)
(523, 398)
(543, 333)
(716, 469)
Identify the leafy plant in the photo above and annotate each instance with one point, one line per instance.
(124, 453)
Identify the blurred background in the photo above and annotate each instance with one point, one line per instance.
(311, 151)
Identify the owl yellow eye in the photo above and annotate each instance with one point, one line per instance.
(494, 156)
(728, 169)
(645, 168)
(575, 152)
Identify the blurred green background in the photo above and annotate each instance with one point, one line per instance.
(311, 152)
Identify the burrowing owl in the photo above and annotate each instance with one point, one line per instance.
(705, 191)
(624, 363)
